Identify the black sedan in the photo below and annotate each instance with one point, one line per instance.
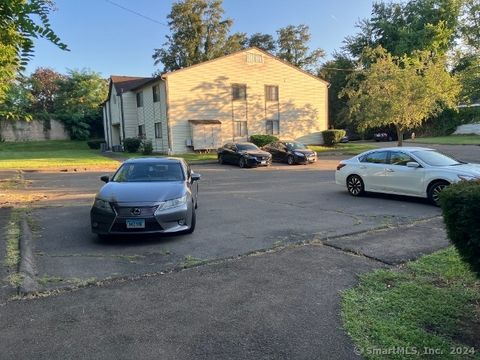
(291, 152)
(244, 155)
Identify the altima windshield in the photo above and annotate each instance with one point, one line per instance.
(246, 147)
(146, 172)
(434, 158)
(295, 146)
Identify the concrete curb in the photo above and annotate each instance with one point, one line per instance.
(27, 262)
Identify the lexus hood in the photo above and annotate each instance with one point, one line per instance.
(141, 192)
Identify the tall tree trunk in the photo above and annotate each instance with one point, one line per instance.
(399, 135)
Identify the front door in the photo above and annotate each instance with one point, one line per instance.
(400, 178)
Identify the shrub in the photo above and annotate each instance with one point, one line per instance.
(132, 145)
(461, 208)
(95, 143)
(332, 137)
(262, 140)
(147, 147)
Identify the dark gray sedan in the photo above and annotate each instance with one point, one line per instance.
(147, 195)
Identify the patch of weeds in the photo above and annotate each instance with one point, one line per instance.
(13, 233)
(15, 183)
(46, 280)
(421, 305)
(81, 282)
(189, 261)
(33, 224)
(15, 279)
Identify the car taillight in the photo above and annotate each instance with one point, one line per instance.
(339, 166)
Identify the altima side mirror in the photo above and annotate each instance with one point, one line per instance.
(413, 164)
(105, 178)
(195, 177)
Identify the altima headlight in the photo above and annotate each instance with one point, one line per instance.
(103, 205)
(299, 154)
(169, 204)
(467, 177)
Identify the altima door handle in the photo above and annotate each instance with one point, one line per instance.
(390, 170)
(363, 167)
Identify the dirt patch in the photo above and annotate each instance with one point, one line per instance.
(469, 329)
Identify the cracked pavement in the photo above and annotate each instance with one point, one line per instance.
(240, 211)
(264, 294)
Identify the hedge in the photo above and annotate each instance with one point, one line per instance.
(95, 144)
(262, 140)
(132, 145)
(460, 205)
(147, 147)
(332, 137)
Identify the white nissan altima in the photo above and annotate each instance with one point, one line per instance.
(412, 171)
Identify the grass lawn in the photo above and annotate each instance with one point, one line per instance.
(190, 157)
(350, 148)
(448, 140)
(432, 303)
(50, 154)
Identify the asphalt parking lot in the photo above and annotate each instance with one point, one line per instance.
(241, 211)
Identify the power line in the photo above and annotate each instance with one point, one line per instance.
(135, 12)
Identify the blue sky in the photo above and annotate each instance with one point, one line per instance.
(109, 40)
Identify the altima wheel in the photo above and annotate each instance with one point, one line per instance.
(290, 160)
(355, 185)
(242, 163)
(435, 190)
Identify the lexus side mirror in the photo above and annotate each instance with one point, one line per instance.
(413, 164)
(195, 177)
(105, 178)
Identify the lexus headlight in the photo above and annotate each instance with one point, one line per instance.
(169, 204)
(299, 154)
(102, 205)
(467, 177)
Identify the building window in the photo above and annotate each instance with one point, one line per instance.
(271, 93)
(273, 127)
(240, 129)
(239, 92)
(156, 93)
(141, 131)
(254, 58)
(114, 99)
(158, 130)
(140, 99)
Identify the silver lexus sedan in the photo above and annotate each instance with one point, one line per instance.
(147, 195)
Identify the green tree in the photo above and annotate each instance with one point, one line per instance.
(263, 41)
(402, 91)
(470, 24)
(17, 102)
(44, 84)
(468, 71)
(21, 21)
(77, 102)
(405, 27)
(293, 47)
(337, 72)
(198, 32)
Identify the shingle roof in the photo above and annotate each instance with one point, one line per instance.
(127, 83)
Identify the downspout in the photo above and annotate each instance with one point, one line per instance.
(123, 116)
(167, 108)
(109, 125)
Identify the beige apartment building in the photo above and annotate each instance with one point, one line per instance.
(222, 100)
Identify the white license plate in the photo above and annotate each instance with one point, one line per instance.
(263, 162)
(135, 223)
